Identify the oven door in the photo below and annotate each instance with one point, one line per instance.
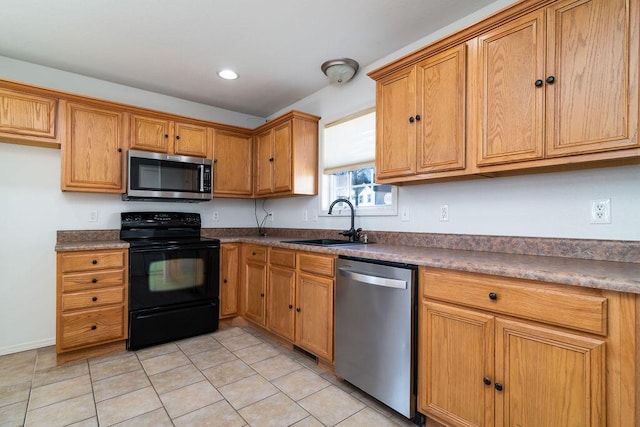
(173, 274)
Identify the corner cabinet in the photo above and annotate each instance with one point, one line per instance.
(94, 148)
(29, 118)
(232, 164)
(500, 351)
(92, 301)
(286, 156)
(163, 135)
(420, 118)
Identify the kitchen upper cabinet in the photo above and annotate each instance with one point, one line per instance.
(560, 81)
(93, 149)
(28, 118)
(286, 156)
(166, 136)
(232, 164)
(420, 118)
(229, 274)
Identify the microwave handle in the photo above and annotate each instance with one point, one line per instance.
(201, 172)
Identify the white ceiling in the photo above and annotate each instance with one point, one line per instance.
(176, 47)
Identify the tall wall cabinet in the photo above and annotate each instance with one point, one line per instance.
(540, 84)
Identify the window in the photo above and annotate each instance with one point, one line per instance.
(349, 172)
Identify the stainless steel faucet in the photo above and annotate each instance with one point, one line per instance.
(352, 233)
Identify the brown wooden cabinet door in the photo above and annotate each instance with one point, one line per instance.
(442, 95)
(150, 133)
(593, 56)
(229, 257)
(511, 110)
(548, 378)
(314, 315)
(264, 162)
(282, 158)
(282, 285)
(455, 353)
(395, 133)
(27, 115)
(233, 167)
(255, 292)
(191, 140)
(92, 154)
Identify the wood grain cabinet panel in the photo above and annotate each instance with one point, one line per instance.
(229, 273)
(232, 164)
(93, 150)
(282, 292)
(314, 314)
(28, 118)
(255, 284)
(91, 303)
(162, 135)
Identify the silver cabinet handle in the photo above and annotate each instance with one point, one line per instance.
(375, 280)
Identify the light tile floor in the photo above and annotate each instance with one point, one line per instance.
(233, 377)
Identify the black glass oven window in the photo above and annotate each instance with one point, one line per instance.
(176, 274)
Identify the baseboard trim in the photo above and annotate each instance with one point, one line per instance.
(27, 346)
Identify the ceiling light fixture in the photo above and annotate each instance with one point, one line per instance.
(340, 71)
(228, 74)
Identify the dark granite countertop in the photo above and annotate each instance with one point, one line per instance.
(591, 273)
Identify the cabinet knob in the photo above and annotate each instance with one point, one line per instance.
(551, 80)
(298, 309)
(486, 380)
(271, 159)
(499, 387)
(94, 327)
(177, 136)
(119, 150)
(224, 281)
(262, 295)
(215, 160)
(253, 254)
(166, 135)
(538, 83)
(94, 262)
(94, 299)
(94, 280)
(493, 296)
(418, 117)
(411, 119)
(290, 306)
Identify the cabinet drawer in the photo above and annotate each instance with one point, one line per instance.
(283, 258)
(91, 326)
(90, 299)
(95, 280)
(257, 253)
(317, 264)
(577, 308)
(92, 260)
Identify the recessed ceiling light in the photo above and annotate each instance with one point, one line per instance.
(228, 74)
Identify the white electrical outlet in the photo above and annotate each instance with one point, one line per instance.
(405, 214)
(215, 216)
(444, 213)
(314, 215)
(305, 215)
(601, 211)
(93, 216)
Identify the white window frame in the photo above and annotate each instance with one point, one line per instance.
(342, 209)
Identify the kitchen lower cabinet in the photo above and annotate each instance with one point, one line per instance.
(519, 352)
(255, 284)
(229, 273)
(282, 293)
(94, 149)
(91, 303)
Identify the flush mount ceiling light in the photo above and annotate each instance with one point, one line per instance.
(340, 71)
(228, 74)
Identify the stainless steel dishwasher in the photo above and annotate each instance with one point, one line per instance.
(375, 326)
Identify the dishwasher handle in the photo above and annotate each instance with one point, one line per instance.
(374, 280)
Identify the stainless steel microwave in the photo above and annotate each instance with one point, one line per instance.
(168, 177)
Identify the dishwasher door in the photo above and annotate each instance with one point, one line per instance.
(375, 330)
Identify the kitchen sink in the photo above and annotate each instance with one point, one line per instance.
(323, 242)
